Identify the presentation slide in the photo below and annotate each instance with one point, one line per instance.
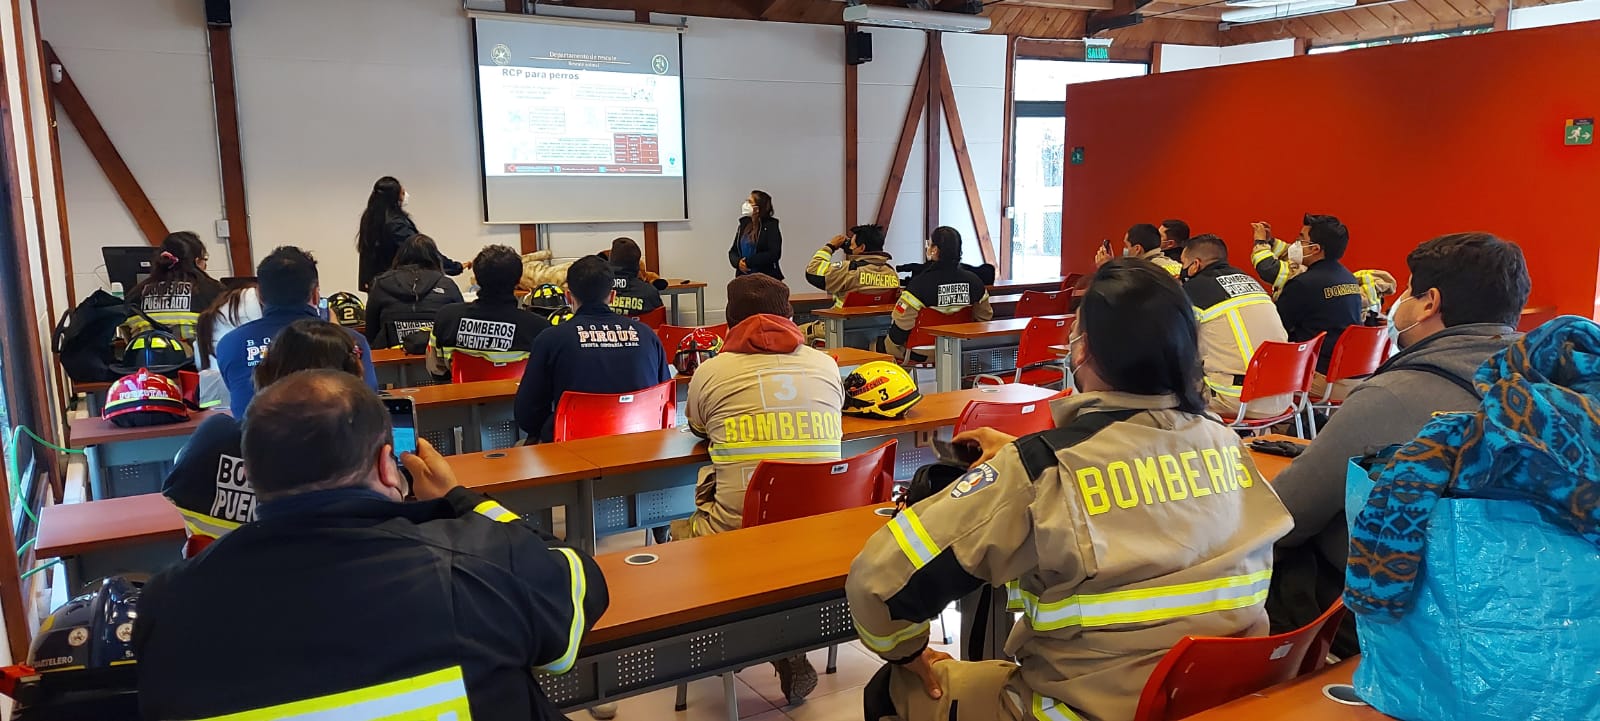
(579, 122)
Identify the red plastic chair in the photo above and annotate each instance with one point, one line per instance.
(878, 296)
(1070, 282)
(1200, 673)
(654, 318)
(1012, 419)
(1357, 354)
(921, 341)
(1037, 303)
(470, 368)
(1278, 369)
(591, 415)
(671, 335)
(786, 490)
(194, 544)
(1037, 364)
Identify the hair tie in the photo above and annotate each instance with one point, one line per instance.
(171, 260)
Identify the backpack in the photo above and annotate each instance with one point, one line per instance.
(83, 336)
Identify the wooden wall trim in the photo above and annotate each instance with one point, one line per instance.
(902, 149)
(969, 180)
(652, 247)
(105, 153)
(852, 190)
(932, 143)
(55, 166)
(530, 237)
(224, 95)
(1155, 58)
(1007, 161)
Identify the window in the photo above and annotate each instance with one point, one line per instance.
(1039, 153)
(1418, 38)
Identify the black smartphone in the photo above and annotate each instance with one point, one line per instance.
(403, 417)
(1105, 245)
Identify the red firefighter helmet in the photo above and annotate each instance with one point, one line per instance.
(698, 347)
(145, 399)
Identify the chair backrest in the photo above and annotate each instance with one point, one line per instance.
(195, 543)
(671, 335)
(1358, 352)
(872, 296)
(654, 318)
(931, 317)
(1069, 283)
(1035, 303)
(1201, 673)
(1033, 347)
(591, 415)
(1279, 368)
(1012, 419)
(470, 368)
(786, 490)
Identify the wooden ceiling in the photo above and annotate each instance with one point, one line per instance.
(1190, 22)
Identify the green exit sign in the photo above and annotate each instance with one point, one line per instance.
(1097, 53)
(1579, 131)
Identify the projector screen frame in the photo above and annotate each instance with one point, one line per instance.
(477, 96)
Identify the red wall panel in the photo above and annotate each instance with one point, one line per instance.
(1403, 143)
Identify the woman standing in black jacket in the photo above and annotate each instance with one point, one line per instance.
(384, 226)
(758, 245)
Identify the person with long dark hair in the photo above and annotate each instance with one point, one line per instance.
(758, 245)
(1136, 521)
(406, 299)
(385, 226)
(178, 287)
(235, 307)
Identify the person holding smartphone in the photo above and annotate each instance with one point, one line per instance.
(208, 483)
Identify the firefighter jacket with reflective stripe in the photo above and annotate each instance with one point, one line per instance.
(345, 603)
(945, 287)
(1235, 316)
(493, 329)
(175, 304)
(1127, 527)
(756, 406)
(1160, 259)
(208, 483)
(634, 296)
(1271, 261)
(867, 271)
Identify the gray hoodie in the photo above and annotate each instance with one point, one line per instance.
(1389, 408)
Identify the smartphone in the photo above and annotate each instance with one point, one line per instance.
(403, 417)
(1105, 245)
(322, 309)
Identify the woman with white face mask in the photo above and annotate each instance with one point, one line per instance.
(758, 244)
(385, 225)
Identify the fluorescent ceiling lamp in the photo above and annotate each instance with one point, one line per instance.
(1279, 11)
(894, 17)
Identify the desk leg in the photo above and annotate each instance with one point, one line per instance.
(97, 472)
(700, 306)
(580, 519)
(947, 363)
(675, 317)
(472, 435)
(833, 332)
(96, 402)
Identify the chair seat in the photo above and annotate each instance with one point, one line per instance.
(1258, 423)
(1041, 376)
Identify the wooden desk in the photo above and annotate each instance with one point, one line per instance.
(1300, 699)
(94, 395)
(1270, 465)
(130, 461)
(949, 342)
(137, 534)
(395, 369)
(851, 358)
(533, 480)
(702, 594)
(838, 321)
(483, 411)
(679, 286)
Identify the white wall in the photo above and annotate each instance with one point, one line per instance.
(1189, 57)
(1542, 15)
(333, 95)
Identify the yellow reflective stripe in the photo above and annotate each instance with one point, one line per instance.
(580, 588)
(492, 356)
(1231, 305)
(1049, 709)
(1241, 337)
(823, 255)
(885, 644)
(201, 524)
(432, 696)
(495, 512)
(913, 538)
(910, 300)
(1142, 605)
(1013, 596)
(774, 451)
(1224, 389)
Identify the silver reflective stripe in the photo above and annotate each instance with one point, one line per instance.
(1148, 604)
(913, 539)
(723, 453)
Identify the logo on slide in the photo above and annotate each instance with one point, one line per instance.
(659, 64)
(500, 54)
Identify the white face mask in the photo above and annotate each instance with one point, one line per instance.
(1297, 254)
(1394, 333)
(1129, 252)
(746, 210)
(405, 198)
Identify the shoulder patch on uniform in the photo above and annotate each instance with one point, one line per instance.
(975, 480)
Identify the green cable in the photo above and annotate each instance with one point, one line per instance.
(15, 474)
(32, 571)
(22, 550)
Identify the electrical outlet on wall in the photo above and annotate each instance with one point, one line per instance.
(222, 228)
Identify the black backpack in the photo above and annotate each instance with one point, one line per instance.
(83, 338)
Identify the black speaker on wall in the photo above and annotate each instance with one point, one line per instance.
(857, 47)
(219, 13)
